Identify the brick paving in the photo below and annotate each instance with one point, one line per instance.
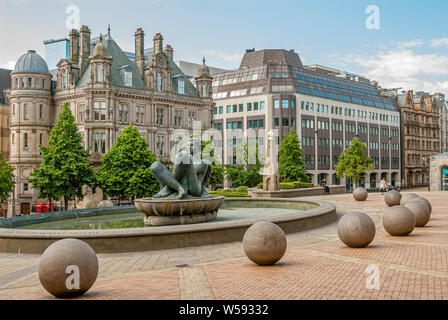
(316, 266)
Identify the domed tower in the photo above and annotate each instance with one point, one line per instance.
(100, 64)
(30, 113)
(204, 81)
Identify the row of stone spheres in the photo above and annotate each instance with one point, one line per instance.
(405, 212)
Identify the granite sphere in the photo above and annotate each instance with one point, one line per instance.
(406, 197)
(264, 243)
(392, 198)
(356, 229)
(428, 204)
(398, 221)
(360, 194)
(68, 268)
(420, 210)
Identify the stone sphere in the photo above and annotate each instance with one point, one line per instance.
(428, 204)
(360, 194)
(68, 268)
(398, 221)
(264, 243)
(420, 210)
(392, 198)
(407, 197)
(356, 229)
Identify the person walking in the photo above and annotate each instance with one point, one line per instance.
(383, 185)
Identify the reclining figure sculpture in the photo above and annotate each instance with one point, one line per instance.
(188, 179)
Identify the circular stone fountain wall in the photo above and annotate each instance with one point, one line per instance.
(17, 234)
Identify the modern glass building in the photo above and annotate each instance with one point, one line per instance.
(273, 91)
(55, 50)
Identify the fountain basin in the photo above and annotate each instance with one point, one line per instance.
(33, 234)
(162, 212)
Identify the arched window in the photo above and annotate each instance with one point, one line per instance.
(204, 90)
(159, 82)
(64, 79)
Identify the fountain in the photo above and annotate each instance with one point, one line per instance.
(183, 198)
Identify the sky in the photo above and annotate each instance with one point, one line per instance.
(399, 43)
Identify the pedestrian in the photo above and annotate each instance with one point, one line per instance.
(323, 184)
(383, 185)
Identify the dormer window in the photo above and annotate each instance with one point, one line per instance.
(181, 86)
(127, 78)
(159, 82)
(64, 79)
(126, 75)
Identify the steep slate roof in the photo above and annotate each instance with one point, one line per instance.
(120, 59)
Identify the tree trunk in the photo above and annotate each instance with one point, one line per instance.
(66, 203)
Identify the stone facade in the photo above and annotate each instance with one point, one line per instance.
(5, 82)
(420, 133)
(439, 172)
(106, 92)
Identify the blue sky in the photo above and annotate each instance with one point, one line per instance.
(409, 50)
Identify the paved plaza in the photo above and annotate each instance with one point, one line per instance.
(316, 266)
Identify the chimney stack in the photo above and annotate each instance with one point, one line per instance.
(139, 51)
(85, 48)
(169, 51)
(74, 46)
(158, 43)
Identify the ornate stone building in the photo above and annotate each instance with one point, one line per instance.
(106, 92)
(420, 134)
(5, 82)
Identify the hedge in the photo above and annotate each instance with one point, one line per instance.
(230, 194)
(291, 185)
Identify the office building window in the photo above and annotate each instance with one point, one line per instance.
(249, 106)
(276, 104)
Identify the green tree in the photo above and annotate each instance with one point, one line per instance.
(291, 159)
(353, 162)
(65, 164)
(248, 173)
(208, 152)
(125, 170)
(7, 182)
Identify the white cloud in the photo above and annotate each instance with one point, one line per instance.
(404, 68)
(439, 42)
(410, 44)
(7, 65)
(235, 57)
(20, 2)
